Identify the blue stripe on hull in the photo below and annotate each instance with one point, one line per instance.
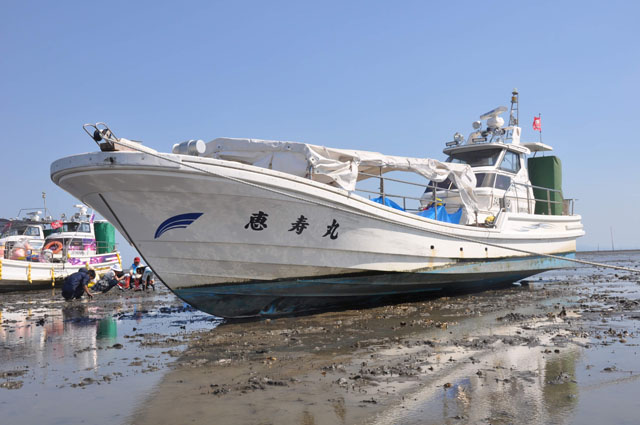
(292, 296)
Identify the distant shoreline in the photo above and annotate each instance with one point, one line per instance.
(607, 251)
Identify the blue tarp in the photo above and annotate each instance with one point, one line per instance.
(443, 215)
(388, 202)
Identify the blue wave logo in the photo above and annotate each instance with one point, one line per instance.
(180, 221)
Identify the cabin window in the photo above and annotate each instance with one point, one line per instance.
(77, 244)
(32, 231)
(510, 162)
(11, 232)
(479, 158)
(485, 179)
(444, 185)
(503, 182)
(73, 227)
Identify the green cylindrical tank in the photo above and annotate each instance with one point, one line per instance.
(546, 171)
(105, 237)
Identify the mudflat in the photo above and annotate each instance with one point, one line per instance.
(560, 348)
(537, 353)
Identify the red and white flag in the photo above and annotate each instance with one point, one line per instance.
(56, 224)
(537, 125)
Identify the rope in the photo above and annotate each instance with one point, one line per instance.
(312, 201)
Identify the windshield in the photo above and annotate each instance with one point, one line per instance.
(12, 231)
(510, 162)
(479, 158)
(32, 231)
(73, 227)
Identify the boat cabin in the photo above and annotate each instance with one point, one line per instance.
(71, 237)
(26, 235)
(502, 179)
(502, 166)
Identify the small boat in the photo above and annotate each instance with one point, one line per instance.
(247, 227)
(28, 231)
(37, 253)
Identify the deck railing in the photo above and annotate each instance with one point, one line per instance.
(511, 193)
(382, 193)
(34, 256)
(567, 204)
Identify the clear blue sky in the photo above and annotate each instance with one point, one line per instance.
(394, 77)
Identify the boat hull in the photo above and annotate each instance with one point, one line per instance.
(299, 296)
(19, 275)
(224, 225)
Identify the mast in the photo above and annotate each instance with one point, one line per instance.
(514, 114)
(44, 201)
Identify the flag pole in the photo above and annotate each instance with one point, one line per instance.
(540, 120)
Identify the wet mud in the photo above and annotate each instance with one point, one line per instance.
(559, 348)
(540, 352)
(87, 361)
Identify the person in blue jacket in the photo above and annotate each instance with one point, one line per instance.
(75, 285)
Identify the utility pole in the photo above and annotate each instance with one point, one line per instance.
(612, 247)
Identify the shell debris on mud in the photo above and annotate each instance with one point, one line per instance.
(542, 353)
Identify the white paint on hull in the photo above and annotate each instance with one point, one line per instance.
(19, 274)
(220, 246)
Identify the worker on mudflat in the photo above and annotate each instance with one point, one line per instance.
(130, 277)
(134, 267)
(135, 277)
(75, 285)
(111, 278)
(147, 279)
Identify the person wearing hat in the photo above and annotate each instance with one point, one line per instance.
(111, 278)
(130, 279)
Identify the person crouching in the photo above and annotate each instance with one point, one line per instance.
(147, 279)
(75, 285)
(113, 277)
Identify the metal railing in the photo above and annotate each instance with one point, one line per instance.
(437, 191)
(384, 195)
(35, 254)
(567, 204)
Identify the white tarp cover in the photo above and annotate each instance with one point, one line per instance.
(339, 167)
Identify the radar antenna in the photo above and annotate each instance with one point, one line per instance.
(493, 113)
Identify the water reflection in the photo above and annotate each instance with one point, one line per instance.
(53, 348)
(495, 386)
(561, 390)
(107, 330)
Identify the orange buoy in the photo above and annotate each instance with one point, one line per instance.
(54, 246)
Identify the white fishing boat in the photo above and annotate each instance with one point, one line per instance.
(27, 231)
(36, 253)
(246, 227)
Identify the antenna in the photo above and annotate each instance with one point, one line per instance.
(514, 114)
(44, 201)
(493, 113)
